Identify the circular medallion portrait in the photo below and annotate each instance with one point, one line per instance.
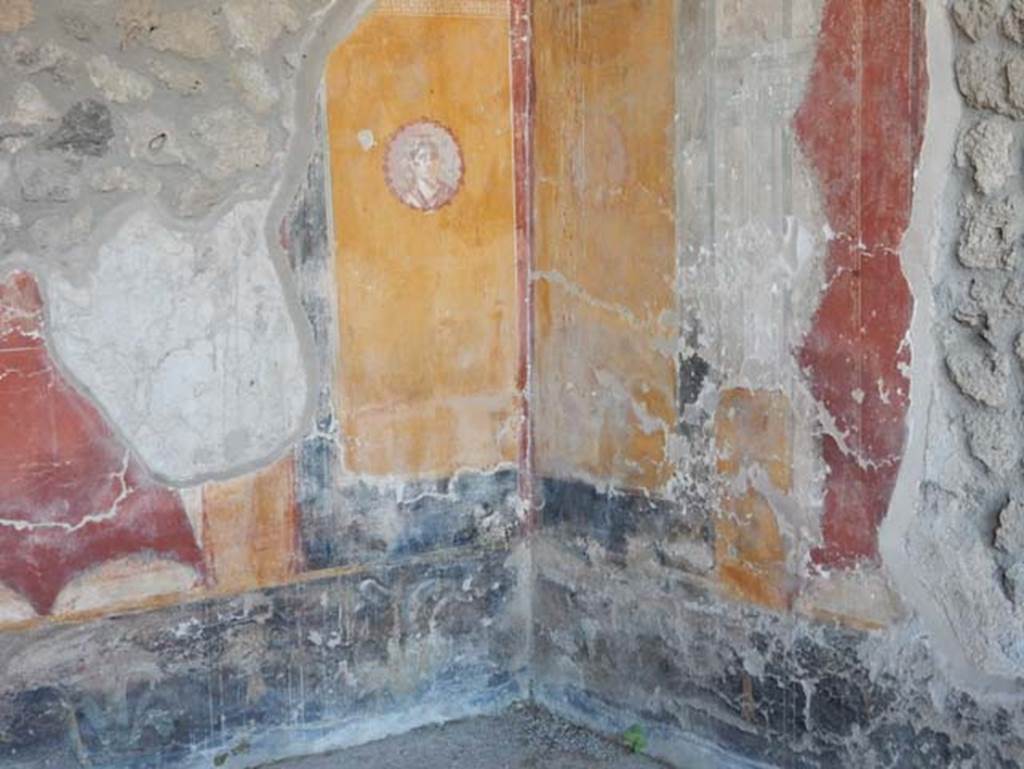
(424, 165)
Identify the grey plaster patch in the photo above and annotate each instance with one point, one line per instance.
(45, 177)
(193, 33)
(78, 25)
(27, 106)
(9, 222)
(255, 84)
(9, 219)
(27, 57)
(238, 143)
(54, 235)
(179, 78)
(155, 139)
(119, 179)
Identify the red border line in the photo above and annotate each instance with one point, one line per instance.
(521, 32)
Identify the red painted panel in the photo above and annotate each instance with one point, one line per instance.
(861, 127)
(521, 31)
(71, 494)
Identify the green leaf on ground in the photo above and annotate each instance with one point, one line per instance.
(634, 738)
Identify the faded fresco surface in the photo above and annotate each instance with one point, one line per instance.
(259, 375)
(741, 360)
(739, 529)
(366, 362)
(400, 239)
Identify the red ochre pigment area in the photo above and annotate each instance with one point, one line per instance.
(71, 495)
(861, 127)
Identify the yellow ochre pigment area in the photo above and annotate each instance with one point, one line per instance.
(427, 300)
(250, 528)
(605, 239)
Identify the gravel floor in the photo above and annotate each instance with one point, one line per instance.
(522, 738)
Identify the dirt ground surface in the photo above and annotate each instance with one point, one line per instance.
(521, 738)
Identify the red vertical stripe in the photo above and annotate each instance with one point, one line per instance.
(522, 118)
(861, 127)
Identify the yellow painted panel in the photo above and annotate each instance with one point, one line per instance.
(605, 238)
(609, 408)
(427, 299)
(750, 555)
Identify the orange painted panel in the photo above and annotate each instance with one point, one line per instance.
(605, 234)
(753, 433)
(754, 427)
(250, 533)
(749, 551)
(427, 298)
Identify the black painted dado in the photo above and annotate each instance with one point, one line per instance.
(615, 646)
(363, 522)
(152, 689)
(612, 517)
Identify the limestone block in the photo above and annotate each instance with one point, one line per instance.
(985, 148)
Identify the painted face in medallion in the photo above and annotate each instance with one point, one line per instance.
(424, 165)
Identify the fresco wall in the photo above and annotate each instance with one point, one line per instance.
(260, 333)
(605, 243)
(367, 365)
(772, 592)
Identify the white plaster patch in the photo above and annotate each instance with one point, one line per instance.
(187, 342)
(13, 607)
(366, 139)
